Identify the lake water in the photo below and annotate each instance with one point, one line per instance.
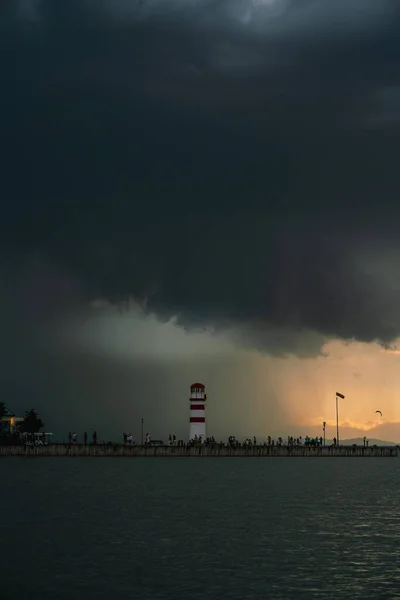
(230, 528)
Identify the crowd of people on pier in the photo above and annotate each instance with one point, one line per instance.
(249, 442)
(232, 442)
(291, 441)
(209, 441)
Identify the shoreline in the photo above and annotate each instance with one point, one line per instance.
(215, 451)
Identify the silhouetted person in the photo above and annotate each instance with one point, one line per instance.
(85, 438)
(69, 438)
(95, 437)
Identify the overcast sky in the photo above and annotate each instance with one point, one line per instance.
(200, 190)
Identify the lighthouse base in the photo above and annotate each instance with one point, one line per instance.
(198, 431)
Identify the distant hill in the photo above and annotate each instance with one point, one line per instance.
(360, 442)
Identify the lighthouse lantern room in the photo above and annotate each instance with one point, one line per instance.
(197, 402)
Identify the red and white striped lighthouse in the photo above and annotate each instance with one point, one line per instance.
(197, 401)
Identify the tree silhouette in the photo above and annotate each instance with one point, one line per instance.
(31, 422)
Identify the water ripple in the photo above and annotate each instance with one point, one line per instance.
(241, 528)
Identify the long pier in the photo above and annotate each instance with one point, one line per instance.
(214, 451)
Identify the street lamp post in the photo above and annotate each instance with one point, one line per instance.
(338, 395)
(324, 428)
(142, 431)
(337, 421)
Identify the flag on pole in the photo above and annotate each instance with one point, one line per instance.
(340, 395)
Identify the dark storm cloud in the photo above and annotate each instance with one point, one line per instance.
(232, 166)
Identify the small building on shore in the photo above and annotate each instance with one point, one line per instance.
(9, 423)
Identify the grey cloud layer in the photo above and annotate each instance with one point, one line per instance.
(230, 171)
(271, 17)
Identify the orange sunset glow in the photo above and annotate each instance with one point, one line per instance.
(367, 375)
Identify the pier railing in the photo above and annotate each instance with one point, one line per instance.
(216, 450)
